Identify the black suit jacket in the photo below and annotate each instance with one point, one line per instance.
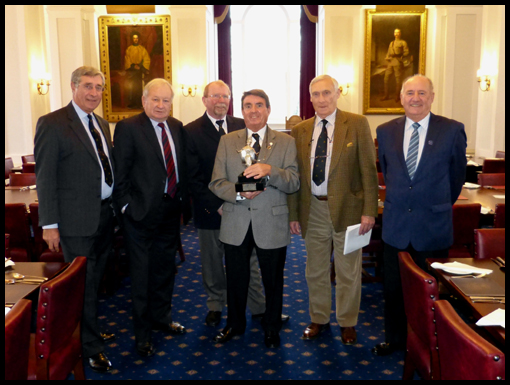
(68, 172)
(140, 171)
(201, 146)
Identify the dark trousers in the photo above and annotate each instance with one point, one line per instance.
(395, 321)
(272, 263)
(151, 245)
(96, 248)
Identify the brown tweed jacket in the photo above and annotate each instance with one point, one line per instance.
(352, 179)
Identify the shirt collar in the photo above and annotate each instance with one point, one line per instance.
(261, 132)
(331, 119)
(424, 123)
(214, 120)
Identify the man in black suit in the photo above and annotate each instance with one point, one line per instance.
(151, 195)
(74, 187)
(203, 137)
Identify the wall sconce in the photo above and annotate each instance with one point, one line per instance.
(484, 80)
(190, 92)
(42, 87)
(341, 88)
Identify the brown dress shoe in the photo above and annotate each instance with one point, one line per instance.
(348, 335)
(313, 330)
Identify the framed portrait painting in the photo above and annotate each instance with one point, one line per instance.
(394, 50)
(133, 51)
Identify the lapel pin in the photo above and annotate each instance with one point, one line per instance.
(430, 142)
(270, 146)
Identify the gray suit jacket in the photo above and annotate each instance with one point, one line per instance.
(268, 212)
(68, 172)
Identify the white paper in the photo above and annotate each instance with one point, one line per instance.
(354, 241)
(496, 318)
(471, 185)
(499, 196)
(459, 268)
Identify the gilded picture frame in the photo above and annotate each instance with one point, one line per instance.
(134, 49)
(395, 48)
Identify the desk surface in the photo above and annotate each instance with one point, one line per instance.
(13, 293)
(478, 310)
(14, 195)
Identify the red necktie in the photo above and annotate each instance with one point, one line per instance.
(169, 160)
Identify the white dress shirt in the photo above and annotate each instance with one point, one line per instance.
(422, 132)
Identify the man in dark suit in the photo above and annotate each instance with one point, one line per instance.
(423, 160)
(203, 136)
(151, 195)
(74, 186)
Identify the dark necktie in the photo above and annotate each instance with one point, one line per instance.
(220, 127)
(169, 161)
(256, 145)
(412, 151)
(319, 164)
(108, 177)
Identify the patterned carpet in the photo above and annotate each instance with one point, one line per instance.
(195, 356)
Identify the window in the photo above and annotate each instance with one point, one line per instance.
(266, 55)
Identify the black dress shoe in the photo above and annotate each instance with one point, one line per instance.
(383, 349)
(285, 317)
(100, 363)
(272, 339)
(107, 337)
(174, 328)
(213, 318)
(225, 335)
(145, 349)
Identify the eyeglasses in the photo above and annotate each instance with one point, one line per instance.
(90, 87)
(218, 96)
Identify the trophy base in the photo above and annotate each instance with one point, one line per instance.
(250, 184)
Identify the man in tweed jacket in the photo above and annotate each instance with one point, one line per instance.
(321, 212)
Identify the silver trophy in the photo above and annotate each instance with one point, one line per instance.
(244, 184)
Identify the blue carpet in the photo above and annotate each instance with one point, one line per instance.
(195, 356)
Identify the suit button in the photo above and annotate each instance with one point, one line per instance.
(410, 187)
(249, 209)
(410, 210)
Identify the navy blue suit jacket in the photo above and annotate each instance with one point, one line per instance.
(419, 211)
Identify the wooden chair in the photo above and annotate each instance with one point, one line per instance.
(464, 354)
(18, 228)
(499, 216)
(28, 167)
(55, 347)
(17, 340)
(500, 154)
(27, 158)
(493, 166)
(292, 121)
(7, 250)
(491, 179)
(23, 179)
(8, 167)
(466, 218)
(420, 295)
(489, 243)
(41, 251)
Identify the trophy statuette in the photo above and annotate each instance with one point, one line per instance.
(244, 184)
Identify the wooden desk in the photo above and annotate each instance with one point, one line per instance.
(481, 195)
(478, 310)
(14, 195)
(13, 293)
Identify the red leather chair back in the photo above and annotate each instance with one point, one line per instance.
(466, 218)
(58, 348)
(493, 166)
(420, 295)
(17, 340)
(23, 179)
(463, 353)
(500, 154)
(28, 167)
(491, 179)
(9, 164)
(7, 250)
(17, 226)
(499, 216)
(489, 243)
(27, 158)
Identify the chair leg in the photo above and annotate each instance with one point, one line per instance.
(78, 371)
(409, 369)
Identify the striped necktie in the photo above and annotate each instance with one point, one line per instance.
(319, 164)
(220, 127)
(412, 151)
(256, 145)
(108, 178)
(169, 161)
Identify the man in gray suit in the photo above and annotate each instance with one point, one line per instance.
(74, 185)
(256, 219)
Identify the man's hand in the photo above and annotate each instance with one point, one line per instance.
(258, 170)
(295, 228)
(366, 224)
(52, 238)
